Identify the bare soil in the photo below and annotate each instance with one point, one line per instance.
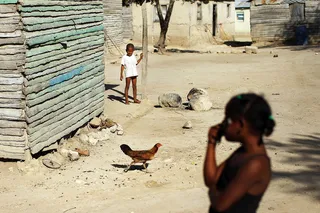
(175, 183)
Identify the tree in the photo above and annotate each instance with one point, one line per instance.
(164, 24)
(144, 50)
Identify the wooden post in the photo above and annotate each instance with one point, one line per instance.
(144, 50)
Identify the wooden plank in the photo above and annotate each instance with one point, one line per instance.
(67, 78)
(15, 139)
(12, 57)
(36, 20)
(55, 8)
(17, 40)
(12, 124)
(12, 49)
(54, 25)
(57, 14)
(12, 131)
(39, 51)
(10, 81)
(83, 84)
(42, 33)
(12, 95)
(52, 36)
(63, 53)
(17, 70)
(38, 111)
(10, 20)
(12, 103)
(37, 115)
(11, 35)
(8, 1)
(10, 88)
(57, 49)
(36, 131)
(11, 152)
(65, 126)
(12, 114)
(33, 3)
(8, 9)
(46, 72)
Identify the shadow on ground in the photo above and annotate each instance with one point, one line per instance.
(133, 167)
(305, 150)
(113, 87)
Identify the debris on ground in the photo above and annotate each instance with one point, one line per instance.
(187, 125)
(73, 155)
(172, 100)
(199, 99)
(83, 152)
(95, 123)
(275, 56)
(51, 164)
(251, 50)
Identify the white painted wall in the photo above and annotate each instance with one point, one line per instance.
(243, 27)
(184, 28)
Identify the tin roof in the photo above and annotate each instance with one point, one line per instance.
(242, 3)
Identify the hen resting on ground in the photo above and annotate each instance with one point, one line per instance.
(139, 156)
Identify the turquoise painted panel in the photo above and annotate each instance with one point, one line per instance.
(8, 1)
(52, 37)
(66, 76)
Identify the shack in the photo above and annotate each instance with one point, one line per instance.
(279, 20)
(51, 71)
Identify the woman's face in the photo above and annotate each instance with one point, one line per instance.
(130, 51)
(232, 129)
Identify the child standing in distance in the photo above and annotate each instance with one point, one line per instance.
(129, 65)
(238, 184)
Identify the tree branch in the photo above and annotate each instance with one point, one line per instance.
(159, 11)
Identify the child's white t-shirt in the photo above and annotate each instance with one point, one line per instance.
(130, 64)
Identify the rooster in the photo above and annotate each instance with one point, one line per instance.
(139, 156)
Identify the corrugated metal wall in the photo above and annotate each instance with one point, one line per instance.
(113, 24)
(63, 68)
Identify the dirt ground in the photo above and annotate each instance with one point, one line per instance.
(175, 183)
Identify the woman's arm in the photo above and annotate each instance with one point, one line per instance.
(211, 171)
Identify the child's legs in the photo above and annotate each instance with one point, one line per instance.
(134, 87)
(127, 90)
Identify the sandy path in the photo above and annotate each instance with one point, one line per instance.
(290, 83)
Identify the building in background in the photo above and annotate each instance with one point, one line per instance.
(191, 23)
(242, 21)
(279, 20)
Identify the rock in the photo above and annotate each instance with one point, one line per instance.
(31, 167)
(64, 152)
(108, 123)
(73, 155)
(119, 127)
(199, 99)
(92, 140)
(196, 92)
(276, 56)
(95, 123)
(202, 103)
(120, 132)
(84, 138)
(251, 50)
(170, 100)
(187, 125)
(83, 152)
(113, 129)
(11, 168)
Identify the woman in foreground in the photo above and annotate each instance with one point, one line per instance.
(238, 184)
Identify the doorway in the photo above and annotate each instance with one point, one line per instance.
(214, 19)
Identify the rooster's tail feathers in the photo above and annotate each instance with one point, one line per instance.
(125, 148)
